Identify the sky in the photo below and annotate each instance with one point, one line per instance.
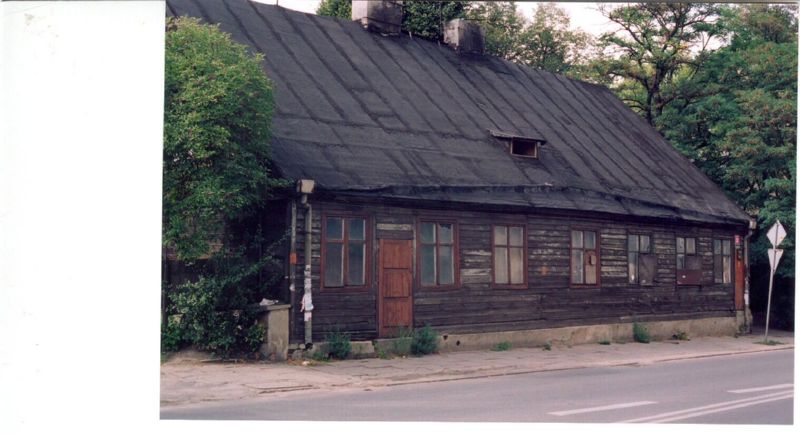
(583, 15)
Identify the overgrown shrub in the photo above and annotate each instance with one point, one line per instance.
(338, 344)
(171, 337)
(425, 341)
(640, 333)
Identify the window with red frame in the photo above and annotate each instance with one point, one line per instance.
(437, 254)
(345, 248)
(509, 255)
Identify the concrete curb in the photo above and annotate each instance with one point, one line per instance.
(531, 371)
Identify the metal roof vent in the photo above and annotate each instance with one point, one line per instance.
(464, 36)
(380, 16)
(520, 146)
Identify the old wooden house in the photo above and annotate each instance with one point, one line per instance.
(452, 188)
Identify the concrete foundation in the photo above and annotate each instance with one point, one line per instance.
(568, 336)
(276, 342)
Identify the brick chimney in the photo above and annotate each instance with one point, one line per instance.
(380, 16)
(465, 36)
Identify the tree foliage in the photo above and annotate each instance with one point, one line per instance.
(653, 44)
(546, 42)
(217, 110)
(335, 8)
(426, 19)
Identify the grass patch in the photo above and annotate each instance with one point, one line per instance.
(604, 342)
(502, 346)
(770, 342)
(425, 341)
(338, 344)
(547, 346)
(681, 336)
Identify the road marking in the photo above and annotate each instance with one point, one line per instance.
(760, 389)
(712, 408)
(603, 408)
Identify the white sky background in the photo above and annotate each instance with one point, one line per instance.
(583, 15)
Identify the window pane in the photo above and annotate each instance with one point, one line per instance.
(446, 233)
(428, 265)
(633, 267)
(501, 265)
(355, 264)
(588, 240)
(500, 235)
(445, 265)
(334, 230)
(515, 236)
(577, 265)
(726, 269)
(577, 239)
(428, 233)
(644, 243)
(681, 265)
(517, 269)
(333, 264)
(691, 246)
(717, 249)
(633, 243)
(726, 247)
(680, 245)
(356, 229)
(591, 272)
(717, 269)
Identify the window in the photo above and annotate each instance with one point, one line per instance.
(525, 148)
(345, 252)
(722, 261)
(583, 258)
(508, 244)
(641, 261)
(436, 254)
(688, 263)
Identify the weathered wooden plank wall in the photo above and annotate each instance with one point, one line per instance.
(548, 301)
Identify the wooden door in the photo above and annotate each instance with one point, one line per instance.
(394, 295)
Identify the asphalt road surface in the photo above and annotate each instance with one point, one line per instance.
(741, 389)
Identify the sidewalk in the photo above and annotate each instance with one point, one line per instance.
(185, 379)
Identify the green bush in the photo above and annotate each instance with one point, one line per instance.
(502, 346)
(640, 333)
(171, 337)
(681, 335)
(425, 341)
(338, 344)
(547, 346)
(604, 342)
(255, 336)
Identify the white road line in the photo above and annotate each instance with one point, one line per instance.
(760, 389)
(719, 410)
(721, 406)
(603, 408)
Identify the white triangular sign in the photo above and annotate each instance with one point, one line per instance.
(774, 258)
(776, 234)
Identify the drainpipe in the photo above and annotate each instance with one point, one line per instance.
(748, 315)
(306, 187)
(292, 268)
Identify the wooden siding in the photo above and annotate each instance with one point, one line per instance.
(547, 301)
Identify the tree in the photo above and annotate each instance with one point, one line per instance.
(740, 128)
(218, 106)
(426, 19)
(546, 43)
(655, 41)
(217, 110)
(335, 8)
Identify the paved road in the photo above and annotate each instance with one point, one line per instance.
(742, 389)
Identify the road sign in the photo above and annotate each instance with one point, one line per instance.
(774, 258)
(776, 234)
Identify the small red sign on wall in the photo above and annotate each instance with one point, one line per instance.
(293, 258)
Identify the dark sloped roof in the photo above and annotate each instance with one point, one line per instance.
(402, 117)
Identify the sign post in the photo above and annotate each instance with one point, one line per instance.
(775, 235)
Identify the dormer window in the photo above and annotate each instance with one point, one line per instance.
(519, 146)
(525, 148)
